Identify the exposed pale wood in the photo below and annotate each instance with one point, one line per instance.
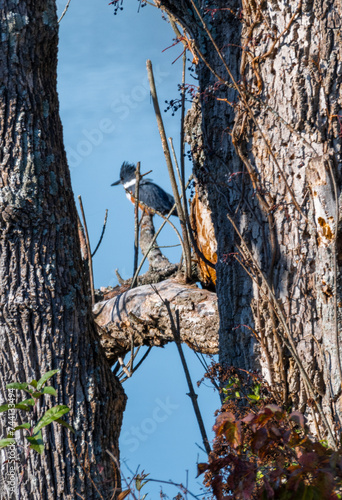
(141, 313)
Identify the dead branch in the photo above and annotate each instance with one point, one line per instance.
(140, 313)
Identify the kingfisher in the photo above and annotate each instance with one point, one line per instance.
(149, 193)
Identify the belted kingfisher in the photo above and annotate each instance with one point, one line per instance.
(149, 193)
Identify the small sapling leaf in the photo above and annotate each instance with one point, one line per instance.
(49, 390)
(63, 422)
(17, 385)
(6, 442)
(45, 378)
(18, 406)
(36, 442)
(23, 426)
(50, 416)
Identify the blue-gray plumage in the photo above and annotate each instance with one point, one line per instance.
(149, 193)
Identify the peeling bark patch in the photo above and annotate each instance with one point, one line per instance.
(326, 230)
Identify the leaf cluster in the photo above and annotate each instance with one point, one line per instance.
(36, 390)
(261, 451)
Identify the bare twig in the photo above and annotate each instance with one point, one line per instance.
(193, 396)
(189, 228)
(115, 460)
(249, 109)
(287, 338)
(64, 11)
(186, 249)
(123, 366)
(84, 248)
(182, 165)
(142, 359)
(90, 262)
(337, 218)
(166, 219)
(102, 234)
(136, 221)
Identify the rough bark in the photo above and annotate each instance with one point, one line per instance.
(273, 170)
(139, 315)
(45, 321)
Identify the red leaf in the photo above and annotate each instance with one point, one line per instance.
(309, 460)
(201, 467)
(231, 428)
(259, 439)
(249, 418)
(217, 487)
(298, 418)
(263, 417)
(221, 420)
(274, 408)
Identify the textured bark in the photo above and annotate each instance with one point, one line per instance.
(139, 315)
(45, 322)
(290, 66)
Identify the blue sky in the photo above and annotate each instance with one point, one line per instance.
(108, 118)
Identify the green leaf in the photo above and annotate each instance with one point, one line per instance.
(17, 385)
(46, 377)
(50, 390)
(6, 442)
(36, 395)
(50, 416)
(34, 383)
(23, 426)
(10, 406)
(30, 402)
(63, 422)
(36, 442)
(253, 397)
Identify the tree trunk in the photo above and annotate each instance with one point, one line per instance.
(45, 318)
(268, 156)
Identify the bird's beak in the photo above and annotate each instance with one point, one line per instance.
(116, 183)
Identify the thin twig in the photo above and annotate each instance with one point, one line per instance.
(123, 366)
(166, 219)
(142, 359)
(288, 340)
(193, 396)
(136, 220)
(90, 261)
(186, 245)
(84, 248)
(86, 472)
(337, 218)
(251, 114)
(102, 234)
(182, 165)
(64, 11)
(115, 460)
(175, 160)
(187, 219)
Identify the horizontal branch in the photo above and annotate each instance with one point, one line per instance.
(141, 314)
